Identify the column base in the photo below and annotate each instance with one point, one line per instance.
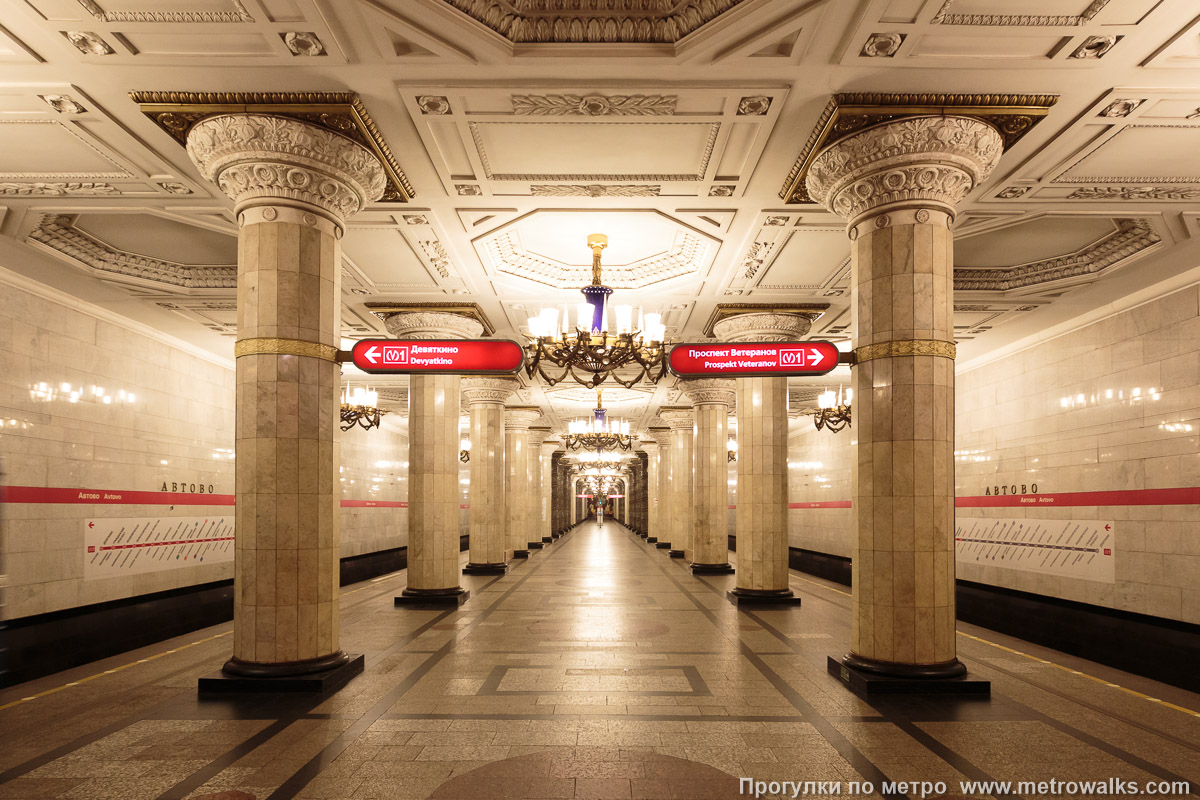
(317, 675)
(535, 545)
(663, 545)
(433, 598)
(651, 539)
(499, 568)
(642, 534)
(520, 554)
(869, 678)
(675, 554)
(553, 537)
(712, 569)
(762, 597)
(547, 539)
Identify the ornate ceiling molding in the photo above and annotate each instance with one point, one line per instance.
(594, 105)
(810, 312)
(342, 113)
(943, 17)
(59, 189)
(582, 21)
(58, 233)
(846, 114)
(1134, 193)
(594, 190)
(1132, 237)
(237, 14)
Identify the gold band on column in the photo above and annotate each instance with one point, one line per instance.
(291, 347)
(905, 347)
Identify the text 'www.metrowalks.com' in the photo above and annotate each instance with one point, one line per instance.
(776, 790)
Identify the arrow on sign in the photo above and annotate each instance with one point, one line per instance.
(372, 355)
(91, 524)
(816, 357)
(1108, 527)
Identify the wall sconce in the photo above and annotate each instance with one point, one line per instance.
(731, 448)
(464, 450)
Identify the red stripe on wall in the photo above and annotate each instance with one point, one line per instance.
(49, 494)
(822, 504)
(1188, 496)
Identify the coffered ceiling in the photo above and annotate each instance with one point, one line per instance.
(670, 125)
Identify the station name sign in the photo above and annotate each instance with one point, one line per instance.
(752, 359)
(436, 356)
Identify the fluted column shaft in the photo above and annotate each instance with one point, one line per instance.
(710, 532)
(679, 476)
(898, 185)
(521, 463)
(487, 496)
(286, 561)
(762, 506)
(545, 501)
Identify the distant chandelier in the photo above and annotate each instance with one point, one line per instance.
(731, 450)
(598, 459)
(833, 412)
(592, 348)
(598, 433)
(360, 407)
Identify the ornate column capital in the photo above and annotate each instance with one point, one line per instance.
(678, 417)
(762, 326)
(648, 446)
(709, 391)
(661, 436)
(922, 163)
(479, 389)
(521, 418)
(432, 325)
(260, 160)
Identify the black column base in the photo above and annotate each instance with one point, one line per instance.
(553, 536)
(651, 539)
(868, 678)
(535, 545)
(642, 534)
(240, 677)
(762, 597)
(520, 554)
(662, 545)
(433, 598)
(712, 569)
(547, 539)
(675, 554)
(486, 569)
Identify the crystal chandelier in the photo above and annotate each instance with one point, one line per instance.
(360, 406)
(598, 433)
(599, 458)
(597, 346)
(731, 450)
(833, 411)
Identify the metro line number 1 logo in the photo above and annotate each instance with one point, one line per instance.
(791, 357)
(395, 355)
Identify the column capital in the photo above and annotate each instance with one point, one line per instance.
(478, 389)
(763, 326)
(521, 418)
(918, 163)
(678, 417)
(709, 391)
(650, 446)
(432, 325)
(549, 446)
(661, 436)
(265, 160)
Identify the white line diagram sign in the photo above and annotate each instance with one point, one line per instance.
(1074, 548)
(125, 546)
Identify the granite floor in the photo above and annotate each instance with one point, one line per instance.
(599, 668)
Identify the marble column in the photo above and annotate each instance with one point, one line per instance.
(485, 398)
(293, 185)
(433, 491)
(546, 498)
(662, 471)
(711, 400)
(651, 449)
(762, 507)
(678, 457)
(897, 184)
(574, 499)
(519, 460)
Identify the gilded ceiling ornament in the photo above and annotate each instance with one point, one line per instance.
(238, 14)
(1120, 108)
(1095, 46)
(594, 105)
(1134, 193)
(433, 104)
(58, 188)
(754, 106)
(303, 43)
(905, 347)
(468, 189)
(611, 21)
(63, 104)
(594, 190)
(723, 190)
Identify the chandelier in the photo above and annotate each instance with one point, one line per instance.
(600, 458)
(360, 407)
(833, 412)
(597, 346)
(598, 433)
(731, 450)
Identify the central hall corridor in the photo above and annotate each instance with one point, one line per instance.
(599, 668)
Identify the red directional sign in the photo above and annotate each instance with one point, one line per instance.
(751, 359)
(435, 356)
